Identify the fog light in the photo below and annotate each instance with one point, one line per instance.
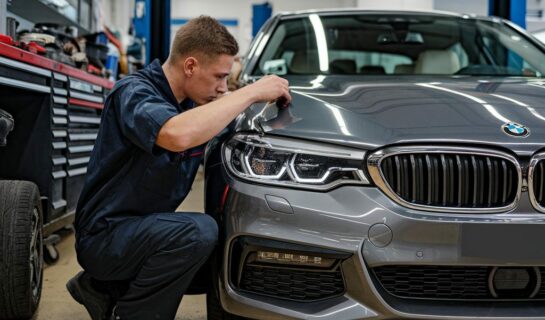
(511, 279)
(514, 283)
(293, 258)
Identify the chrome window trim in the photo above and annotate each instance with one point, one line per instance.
(531, 167)
(375, 159)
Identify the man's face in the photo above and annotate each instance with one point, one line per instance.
(209, 79)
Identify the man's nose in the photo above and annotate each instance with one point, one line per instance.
(223, 87)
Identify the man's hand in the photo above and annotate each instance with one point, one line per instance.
(269, 88)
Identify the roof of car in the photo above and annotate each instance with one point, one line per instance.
(364, 11)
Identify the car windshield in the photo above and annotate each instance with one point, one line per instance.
(402, 44)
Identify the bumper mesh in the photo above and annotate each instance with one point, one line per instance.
(440, 282)
(293, 284)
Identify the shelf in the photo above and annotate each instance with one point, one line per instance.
(37, 11)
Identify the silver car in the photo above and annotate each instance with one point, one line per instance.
(405, 180)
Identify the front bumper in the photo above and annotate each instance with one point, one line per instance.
(376, 232)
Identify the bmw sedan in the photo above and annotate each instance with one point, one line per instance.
(405, 180)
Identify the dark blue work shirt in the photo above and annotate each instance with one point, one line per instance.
(128, 175)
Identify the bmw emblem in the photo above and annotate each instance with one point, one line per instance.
(516, 130)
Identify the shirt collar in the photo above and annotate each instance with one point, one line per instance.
(157, 75)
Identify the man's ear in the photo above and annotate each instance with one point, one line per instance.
(190, 66)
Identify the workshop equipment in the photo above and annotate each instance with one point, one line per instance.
(49, 119)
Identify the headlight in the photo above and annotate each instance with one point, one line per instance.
(291, 162)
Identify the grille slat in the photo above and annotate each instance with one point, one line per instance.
(540, 182)
(436, 180)
(430, 181)
(415, 177)
(452, 180)
(420, 178)
(504, 181)
(389, 172)
(475, 180)
(398, 173)
(496, 184)
(460, 190)
(445, 179)
(467, 181)
(490, 184)
(406, 178)
(480, 183)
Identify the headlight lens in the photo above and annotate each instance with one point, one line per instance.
(291, 162)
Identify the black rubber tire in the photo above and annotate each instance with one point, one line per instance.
(214, 310)
(21, 249)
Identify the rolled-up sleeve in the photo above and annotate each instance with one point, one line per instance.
(142, 113)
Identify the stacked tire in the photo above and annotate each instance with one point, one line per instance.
(21, 249)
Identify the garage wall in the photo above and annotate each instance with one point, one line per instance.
(535, 18)
(479, 7)
(241, 10)
(119, 15)
(396, 4)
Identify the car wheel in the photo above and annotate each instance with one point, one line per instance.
(21, 249)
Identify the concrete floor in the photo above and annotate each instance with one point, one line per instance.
(57, 304)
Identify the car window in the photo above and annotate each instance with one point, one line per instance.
(375, 44)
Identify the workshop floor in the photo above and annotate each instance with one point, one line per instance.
(57, 304)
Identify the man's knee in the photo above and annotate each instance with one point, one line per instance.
(207, 230)
(197, 231)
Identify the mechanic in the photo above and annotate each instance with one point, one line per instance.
(138, 255)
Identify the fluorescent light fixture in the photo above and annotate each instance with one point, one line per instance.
(320, 41)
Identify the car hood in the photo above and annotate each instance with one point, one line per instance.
(371, 112)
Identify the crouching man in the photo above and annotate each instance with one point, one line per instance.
(138, 255)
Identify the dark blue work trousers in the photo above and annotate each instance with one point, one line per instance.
(154, 256)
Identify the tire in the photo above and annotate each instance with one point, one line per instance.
(214, 310)
(21, 249)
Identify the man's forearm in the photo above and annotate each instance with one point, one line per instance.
(198, 125)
